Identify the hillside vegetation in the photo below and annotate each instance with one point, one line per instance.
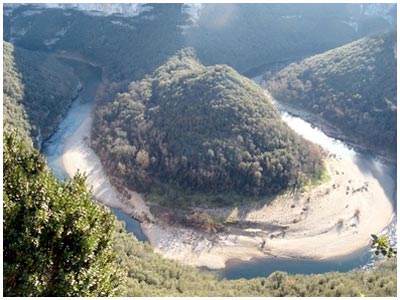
(185, 131)
(353, 87)
(58, 242)
(14, 111)
(204, 129)
(37, 90)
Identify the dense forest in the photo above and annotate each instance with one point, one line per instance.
(33, 83)
(204, 129)
(58, 242)
(354, 87)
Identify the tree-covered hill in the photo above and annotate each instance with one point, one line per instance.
(58, 242)
(37, 90)
(204, 129)
(353, 87)
(184, 126)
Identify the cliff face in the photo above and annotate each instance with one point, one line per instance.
(104, 9)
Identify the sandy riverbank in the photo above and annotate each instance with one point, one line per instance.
(324, 222)
(78, 156)
(333, 219)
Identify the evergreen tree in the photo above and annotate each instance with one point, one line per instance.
(57, 241)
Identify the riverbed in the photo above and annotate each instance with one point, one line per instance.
(80, 111)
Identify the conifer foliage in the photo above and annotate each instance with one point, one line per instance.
(57, 241)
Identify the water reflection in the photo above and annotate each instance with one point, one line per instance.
(316, 136)
(53, 147)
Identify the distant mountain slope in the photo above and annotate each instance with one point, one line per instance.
(127, 47)
(353, 87)
(204, 129)
(37, 90)
(250, 37)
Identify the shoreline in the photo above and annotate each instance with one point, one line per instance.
(318, 224)
(78, 156)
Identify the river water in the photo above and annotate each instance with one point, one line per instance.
(83, 106)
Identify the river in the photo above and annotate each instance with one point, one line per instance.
(82, 108)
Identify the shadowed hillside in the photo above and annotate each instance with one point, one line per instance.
(38, 88)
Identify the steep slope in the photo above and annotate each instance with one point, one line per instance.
(14, 112)
(37, 90)
(204, 129)
(353, 87)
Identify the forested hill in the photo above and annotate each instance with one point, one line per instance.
(37, 90)
(353, 87)
(204, 129)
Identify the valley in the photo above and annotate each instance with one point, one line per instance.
(286, 227)
(143, 158)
